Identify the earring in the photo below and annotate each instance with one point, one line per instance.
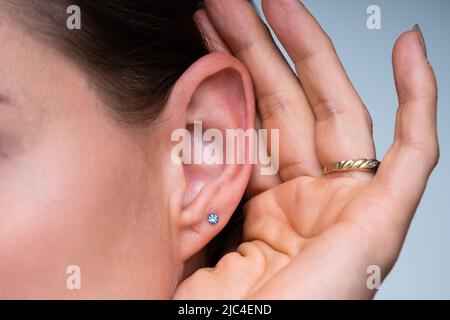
(213, 218)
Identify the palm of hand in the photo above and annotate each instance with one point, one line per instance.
(329, 229)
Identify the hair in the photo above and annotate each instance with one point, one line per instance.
(133, 51)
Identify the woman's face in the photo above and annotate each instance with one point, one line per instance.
(75, 187)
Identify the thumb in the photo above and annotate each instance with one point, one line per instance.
(414, 153)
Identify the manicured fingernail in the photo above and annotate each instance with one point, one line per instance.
(424, 44)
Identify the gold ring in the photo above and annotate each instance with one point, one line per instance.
(353, 165)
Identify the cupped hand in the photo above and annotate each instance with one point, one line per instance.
(310, 235)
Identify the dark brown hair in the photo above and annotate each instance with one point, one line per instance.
(134, 51)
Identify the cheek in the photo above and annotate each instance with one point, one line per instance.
(72, 201)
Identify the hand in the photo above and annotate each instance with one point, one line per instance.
(310, 235)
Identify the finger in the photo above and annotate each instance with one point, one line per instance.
(407, 165)
(344, 128)
(281, 101)
(212, 38)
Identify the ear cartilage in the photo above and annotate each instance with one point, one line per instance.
(213, 218)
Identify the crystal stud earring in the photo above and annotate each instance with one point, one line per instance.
(213, 218)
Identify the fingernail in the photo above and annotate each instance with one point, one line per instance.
(424, 44)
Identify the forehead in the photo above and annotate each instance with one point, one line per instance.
(21, 60)
(34, 73)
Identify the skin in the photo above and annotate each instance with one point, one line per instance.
(73, 185)
(322, 231)
(77, 187)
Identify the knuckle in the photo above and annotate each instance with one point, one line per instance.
(312, 50)
(427, 149)
(368, 118)
(328, 42)
(232, 260)
(327, 108)
(272, 104)
(435, 155)
(324, 109)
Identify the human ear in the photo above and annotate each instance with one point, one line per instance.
(212, 101)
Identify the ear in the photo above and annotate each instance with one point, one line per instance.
(211, 100)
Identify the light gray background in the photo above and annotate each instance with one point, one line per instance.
(422, 271)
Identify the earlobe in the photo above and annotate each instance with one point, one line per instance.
(210, 102)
